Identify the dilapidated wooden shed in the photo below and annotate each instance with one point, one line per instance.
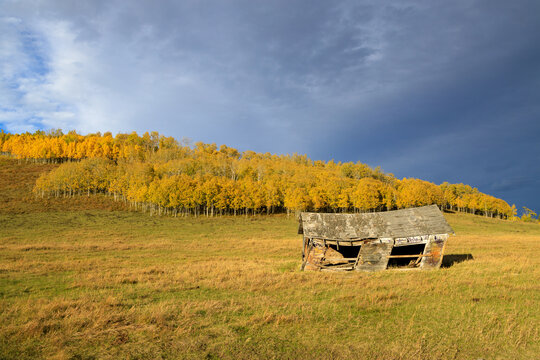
(407, 238)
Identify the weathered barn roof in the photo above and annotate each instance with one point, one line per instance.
(426, 220)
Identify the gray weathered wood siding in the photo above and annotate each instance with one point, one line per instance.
(374, 255)
(434, 247)
(376, 234)
(402, 223)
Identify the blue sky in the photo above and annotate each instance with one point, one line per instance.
(440, 90)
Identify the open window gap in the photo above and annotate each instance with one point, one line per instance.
(340, 256)
(345, 251)
(417, 249)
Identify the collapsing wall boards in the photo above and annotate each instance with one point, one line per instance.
(408, 238)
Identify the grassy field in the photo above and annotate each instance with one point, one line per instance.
(86, 279)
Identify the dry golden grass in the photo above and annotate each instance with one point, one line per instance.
(100, 284)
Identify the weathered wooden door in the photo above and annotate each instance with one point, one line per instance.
(374, 255)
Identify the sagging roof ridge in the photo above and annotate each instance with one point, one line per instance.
(425, 220)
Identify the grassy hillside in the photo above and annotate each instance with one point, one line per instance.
(83, 279)
(17, 178)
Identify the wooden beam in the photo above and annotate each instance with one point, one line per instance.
(342, 242)
(309, 247)
(340, 267)
(407, 256)
(357, 260)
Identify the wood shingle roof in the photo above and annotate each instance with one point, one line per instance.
(425, 220)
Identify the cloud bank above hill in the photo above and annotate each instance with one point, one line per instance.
(439, 91)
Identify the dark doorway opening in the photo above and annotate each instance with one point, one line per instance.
(412, 261)
(346, 251)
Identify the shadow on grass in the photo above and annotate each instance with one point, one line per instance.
(452, 259)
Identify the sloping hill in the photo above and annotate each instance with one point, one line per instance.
(17, 179)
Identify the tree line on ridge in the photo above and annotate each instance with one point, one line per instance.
(160, 175)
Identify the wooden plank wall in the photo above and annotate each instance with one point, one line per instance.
(435, 246)
(374, 255)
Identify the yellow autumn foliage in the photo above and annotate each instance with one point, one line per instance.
(158, 174)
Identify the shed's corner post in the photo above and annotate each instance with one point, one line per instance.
(305, 251)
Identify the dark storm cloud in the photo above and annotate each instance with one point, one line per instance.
(436, 90)
(515, 183)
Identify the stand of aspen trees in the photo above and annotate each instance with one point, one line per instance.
(159, 175)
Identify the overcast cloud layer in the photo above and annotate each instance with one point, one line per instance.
(444, 91)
